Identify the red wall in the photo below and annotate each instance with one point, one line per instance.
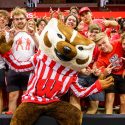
(95, 14)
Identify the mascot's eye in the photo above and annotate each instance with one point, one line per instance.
(80, 48)
(59, 35)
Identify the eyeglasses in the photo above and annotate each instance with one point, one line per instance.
(113, 31)
(94, 31)
(17, 19)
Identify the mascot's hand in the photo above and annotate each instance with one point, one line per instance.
(4, 46)
(106, 82)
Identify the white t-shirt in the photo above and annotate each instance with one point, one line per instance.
(23, 46)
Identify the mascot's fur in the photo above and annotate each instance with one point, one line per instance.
(62, 52)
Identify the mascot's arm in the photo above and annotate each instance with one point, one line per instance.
(5, 51)
(98, 86)
(16, 65)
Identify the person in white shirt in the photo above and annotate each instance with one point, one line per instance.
(24, 46)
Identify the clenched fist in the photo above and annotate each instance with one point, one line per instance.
(4, 46)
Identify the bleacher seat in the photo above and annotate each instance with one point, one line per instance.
(98, 119)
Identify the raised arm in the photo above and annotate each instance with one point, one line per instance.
(16, 65)
(111, 23)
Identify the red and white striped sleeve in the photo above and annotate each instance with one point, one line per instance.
(80, 91)
(19, 66)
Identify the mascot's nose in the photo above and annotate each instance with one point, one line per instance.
(67, 50)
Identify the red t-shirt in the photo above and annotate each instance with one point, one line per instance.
(113, 57)
(95, 56)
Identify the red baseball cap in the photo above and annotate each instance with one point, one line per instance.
(84, 9)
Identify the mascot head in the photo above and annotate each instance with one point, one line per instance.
(66, 45)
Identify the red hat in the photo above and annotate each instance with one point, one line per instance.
(83, 9)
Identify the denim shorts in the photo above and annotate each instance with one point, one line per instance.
(86, 81)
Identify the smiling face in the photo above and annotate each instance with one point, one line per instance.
(19, 21)
(92, 34)
(71, 21)
(66, 46)
(86, 17)
(104, 45)
(2, 20)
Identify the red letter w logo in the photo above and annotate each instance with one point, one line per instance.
(48, 88)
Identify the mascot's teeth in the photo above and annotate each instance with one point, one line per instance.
(80, 62)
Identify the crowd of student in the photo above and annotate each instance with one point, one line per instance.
(108, 56)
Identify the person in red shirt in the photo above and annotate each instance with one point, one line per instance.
(123, 43)
(113, 34)
(112, 64)
(86, 19)
(87, 77)
(123, 47)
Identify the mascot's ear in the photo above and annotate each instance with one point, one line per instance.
(57, 24)
(53, 22)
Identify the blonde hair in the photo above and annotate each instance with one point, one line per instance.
(18, 11)
(94, 27)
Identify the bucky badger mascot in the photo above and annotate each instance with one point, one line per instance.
(62, 53)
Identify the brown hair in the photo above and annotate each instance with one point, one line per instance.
(40, 20)
(5, 14)
(74, 7)
(77, 20)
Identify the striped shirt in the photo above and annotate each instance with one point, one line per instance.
(48, 79)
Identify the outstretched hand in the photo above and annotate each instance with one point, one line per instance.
(107, 82)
